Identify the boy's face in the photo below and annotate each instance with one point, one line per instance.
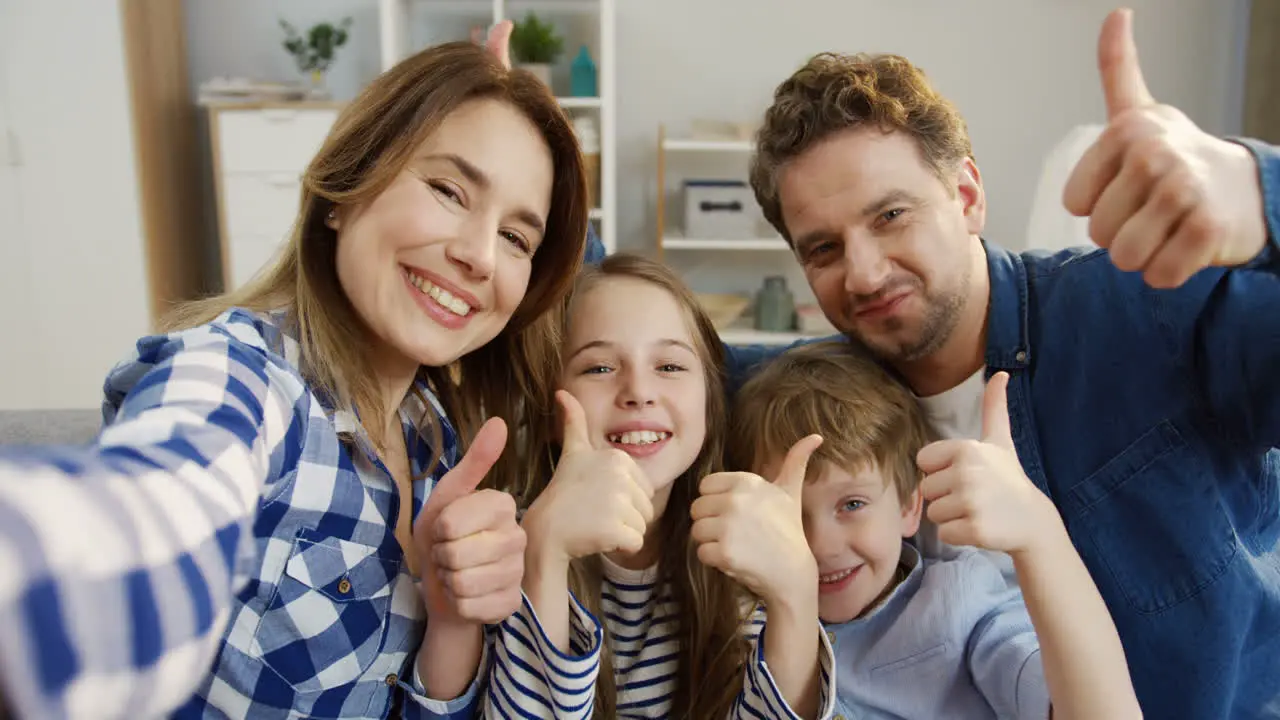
(855, 524)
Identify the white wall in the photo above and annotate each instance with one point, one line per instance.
(73, 290)
(1022, 71)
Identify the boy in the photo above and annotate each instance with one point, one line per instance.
(930, 638)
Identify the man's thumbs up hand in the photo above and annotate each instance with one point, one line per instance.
(1163, 196)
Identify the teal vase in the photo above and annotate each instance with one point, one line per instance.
(775, 306)
(582, 75)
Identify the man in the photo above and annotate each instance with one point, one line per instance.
(1145, 376)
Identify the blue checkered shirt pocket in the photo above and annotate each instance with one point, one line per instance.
(327, 620)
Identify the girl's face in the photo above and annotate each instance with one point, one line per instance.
(631, 362)
(437, 264)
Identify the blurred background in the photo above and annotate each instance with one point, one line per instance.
(150, 149)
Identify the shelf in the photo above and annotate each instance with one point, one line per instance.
(593, 22)
(747, 336)
(518, 7)
(709, 145)
(763, 244)
(579, 102)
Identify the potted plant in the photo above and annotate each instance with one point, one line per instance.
(535, 45)
(314, 52)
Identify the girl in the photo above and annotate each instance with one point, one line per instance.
(265, 460)
(625, 612)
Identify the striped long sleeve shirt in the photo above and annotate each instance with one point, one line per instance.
(531, 678)
(225, 549)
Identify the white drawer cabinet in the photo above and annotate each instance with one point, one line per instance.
(259, 155)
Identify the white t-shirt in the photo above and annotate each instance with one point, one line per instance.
(957, 414)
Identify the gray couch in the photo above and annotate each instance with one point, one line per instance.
(49, 427)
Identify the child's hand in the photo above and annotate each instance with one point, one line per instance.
(752, 530)
(470, 546)
(977, 491)
(598, 501)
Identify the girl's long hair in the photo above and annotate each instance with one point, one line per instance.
(712, 608)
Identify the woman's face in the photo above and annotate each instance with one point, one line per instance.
(437, 264)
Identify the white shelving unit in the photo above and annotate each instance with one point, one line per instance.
(394, 19)
(673, 246)
(671, 238)
(746, 336)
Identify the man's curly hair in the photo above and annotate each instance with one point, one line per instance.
(835, 92)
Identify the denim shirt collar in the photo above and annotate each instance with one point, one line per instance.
(1008, 344)
(1009, 348)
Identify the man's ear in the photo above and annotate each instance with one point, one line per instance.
(912, 512)
(972, 195)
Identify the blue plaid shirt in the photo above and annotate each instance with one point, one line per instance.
(230, 535)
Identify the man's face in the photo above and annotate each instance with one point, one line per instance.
(885, 244)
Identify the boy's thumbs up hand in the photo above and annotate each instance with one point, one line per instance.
(753, 531)
(976, 490)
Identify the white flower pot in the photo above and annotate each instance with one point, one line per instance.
(542, 71)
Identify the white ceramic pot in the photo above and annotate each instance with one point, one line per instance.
(542, 71)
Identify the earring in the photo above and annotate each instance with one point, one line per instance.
(332, 218)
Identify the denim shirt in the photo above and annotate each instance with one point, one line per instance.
(1150, 417)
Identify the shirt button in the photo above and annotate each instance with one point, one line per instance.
(1021, 356)
(831, 637)
(838, 717)
(392, 680)
(344, 586)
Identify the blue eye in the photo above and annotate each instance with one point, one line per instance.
(852, 505)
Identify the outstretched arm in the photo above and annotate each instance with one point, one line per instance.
(120, 558)
(979, 495)
(1195, 212)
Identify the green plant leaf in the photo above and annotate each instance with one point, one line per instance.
(535, 41)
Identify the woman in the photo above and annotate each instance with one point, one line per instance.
(266, 459)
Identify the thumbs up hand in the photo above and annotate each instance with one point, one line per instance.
(498, 43)
(598, 500)
(1165, 198)
(470, 547)
(752, 530)
(977, 491)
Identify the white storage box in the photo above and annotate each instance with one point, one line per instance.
(719, 210)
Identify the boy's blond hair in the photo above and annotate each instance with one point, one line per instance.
(865, 416)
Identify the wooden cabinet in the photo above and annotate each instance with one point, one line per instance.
(259, 154)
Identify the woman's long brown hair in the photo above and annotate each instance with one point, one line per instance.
(372, 141)
(712, 608)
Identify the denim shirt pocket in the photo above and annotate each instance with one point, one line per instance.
(1154, 518)
(325, 624)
